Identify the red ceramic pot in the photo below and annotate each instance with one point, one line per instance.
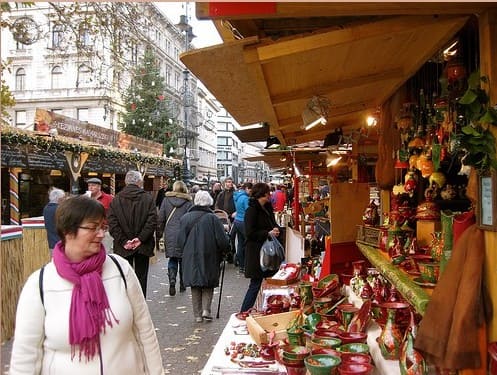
(356, 358)
(355, 368)
(348, 337)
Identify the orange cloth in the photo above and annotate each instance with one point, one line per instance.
(448, 332)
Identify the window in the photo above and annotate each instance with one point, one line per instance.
(56, 77)
(224, 155)
(168, 75)
(223, 141)
(168, 47)
(84, 36)
(177, 81)
(20, 79)
(20, 46)
(20, 118)
(83, 114)
(57, 35)
(134, 53)
(223, 126)
(84, 76)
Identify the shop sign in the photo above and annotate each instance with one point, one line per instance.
(13, 157)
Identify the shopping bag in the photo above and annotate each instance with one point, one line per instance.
(272, 254)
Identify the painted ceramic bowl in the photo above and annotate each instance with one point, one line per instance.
(294, 352)
(354, 347)
(355, 357)
(321, 364)
(351, 337)
(328, 351)
(351, 368)
(329, 342)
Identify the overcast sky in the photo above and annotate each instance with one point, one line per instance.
(204, 30)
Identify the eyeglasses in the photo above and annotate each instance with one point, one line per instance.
(105, 228)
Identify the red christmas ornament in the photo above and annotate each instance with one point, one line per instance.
(160, 97)
(133, 106)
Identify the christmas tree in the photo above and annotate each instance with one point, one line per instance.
(147, 114)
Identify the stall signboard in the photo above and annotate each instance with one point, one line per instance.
(45, 121)
(106, 166)
(13, 157)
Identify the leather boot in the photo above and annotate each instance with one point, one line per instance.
(172, 281)
(181, 284)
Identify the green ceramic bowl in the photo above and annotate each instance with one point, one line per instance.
(312, 320)
(328, 342)
(321, 364)
(354, 347)
(295, 351)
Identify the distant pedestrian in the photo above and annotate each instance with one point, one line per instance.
(161, 194)
(279, 198)
(132, 223)
(259, 224)
(224, 200)
(95, 188)
(203, 241)
(241, 198)
(55, 196)
(175, 204)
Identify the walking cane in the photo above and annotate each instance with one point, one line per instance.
(221, 289)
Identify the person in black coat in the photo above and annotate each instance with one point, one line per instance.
(203, 242)
(132, 222)
(259, 223)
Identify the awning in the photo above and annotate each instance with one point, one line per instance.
(357, 66)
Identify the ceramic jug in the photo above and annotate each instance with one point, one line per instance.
(437, 246)
(411, 362)
(391, 337)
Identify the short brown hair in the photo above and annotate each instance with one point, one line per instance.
(73, 211)
(259, 190)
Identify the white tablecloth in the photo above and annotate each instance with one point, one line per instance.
(235, 331)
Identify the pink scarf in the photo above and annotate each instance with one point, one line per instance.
(90, 310)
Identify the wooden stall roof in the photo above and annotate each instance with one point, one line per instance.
(277, 56)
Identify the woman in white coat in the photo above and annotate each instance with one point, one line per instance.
(86, 314)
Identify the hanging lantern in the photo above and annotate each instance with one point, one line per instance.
(455, 70)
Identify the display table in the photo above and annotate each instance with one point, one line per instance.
(220, 363)
(383, 366)
(235, 331)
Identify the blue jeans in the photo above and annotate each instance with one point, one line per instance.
(251, 294)
(240, 249)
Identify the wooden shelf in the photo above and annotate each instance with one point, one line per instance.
(412, 292)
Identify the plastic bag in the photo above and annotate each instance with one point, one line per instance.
(272, 254)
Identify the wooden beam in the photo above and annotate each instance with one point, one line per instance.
(329, 87)
(300, 44)
(255, 69)
(341, 9)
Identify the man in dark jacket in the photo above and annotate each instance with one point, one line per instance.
(225, 200)
(132, 223)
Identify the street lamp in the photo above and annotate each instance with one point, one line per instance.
(185, 28)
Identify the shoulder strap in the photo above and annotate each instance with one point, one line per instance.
(170, 215)
(194, 223)
(120, 270)
(40, 285)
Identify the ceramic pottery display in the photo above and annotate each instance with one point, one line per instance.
(391, 337)
(411, 362)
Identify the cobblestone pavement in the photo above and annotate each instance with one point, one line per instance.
(185, 344)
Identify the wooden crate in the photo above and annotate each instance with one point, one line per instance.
(259, 327)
